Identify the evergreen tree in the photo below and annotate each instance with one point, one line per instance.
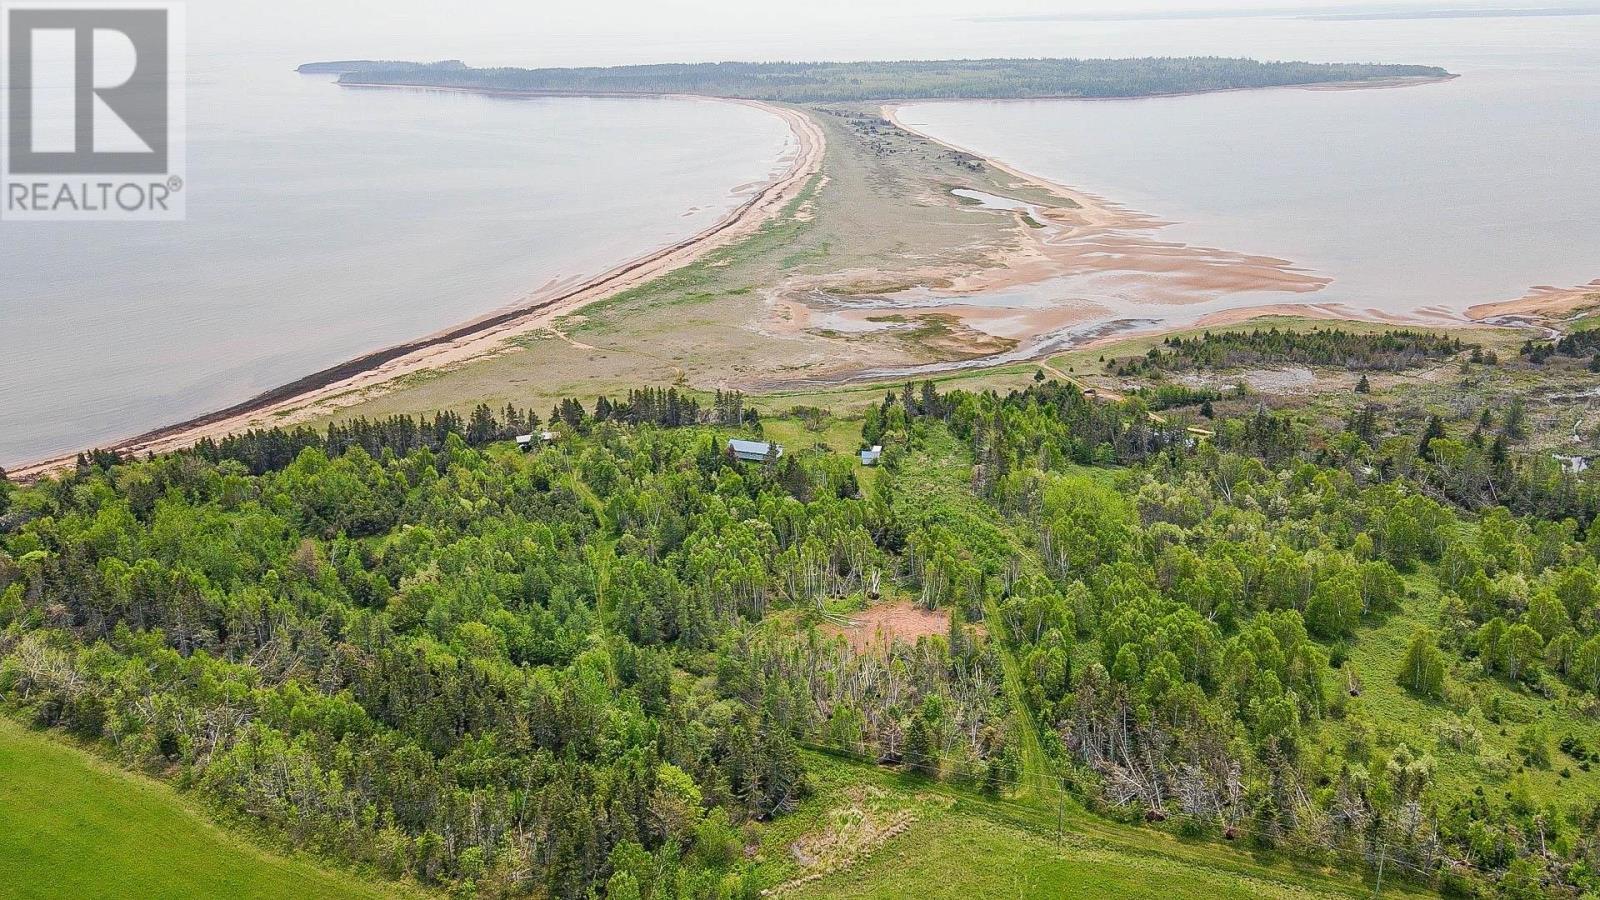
(1516, 423)
(919, 754)
(1433, 432)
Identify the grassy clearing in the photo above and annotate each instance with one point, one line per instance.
(871, 832)
(852, 399)
(1500, 712)
(72, 825)
(842, 436)
(956, 857)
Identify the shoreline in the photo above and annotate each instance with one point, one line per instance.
(1106, 227)
(484, 335)
(1542, 302)
(1094, 220)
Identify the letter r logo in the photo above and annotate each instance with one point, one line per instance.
(88, 91)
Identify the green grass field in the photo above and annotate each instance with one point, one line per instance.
(1395, 715)
(870, 832)
(72, 825)
(954, 857)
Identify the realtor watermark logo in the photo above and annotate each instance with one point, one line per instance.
(93, 111)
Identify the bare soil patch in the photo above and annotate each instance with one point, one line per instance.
(886, 623)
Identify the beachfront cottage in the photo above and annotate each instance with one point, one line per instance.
(871, 457)
(754, 451)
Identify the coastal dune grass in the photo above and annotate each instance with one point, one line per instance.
(73, 825)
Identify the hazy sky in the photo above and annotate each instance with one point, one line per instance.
(546, 32)
(408, 22)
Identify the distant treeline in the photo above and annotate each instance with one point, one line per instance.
(341, 66)
(904, 80)
(272, 449)
(1390, 351)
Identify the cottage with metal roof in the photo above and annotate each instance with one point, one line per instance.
(754, 451)
(525, 442)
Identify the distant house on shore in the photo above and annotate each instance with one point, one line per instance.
(872, 457)
(754, 451)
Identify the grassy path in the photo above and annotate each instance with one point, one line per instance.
(940, 489)
(73, 825)
(1038, 776)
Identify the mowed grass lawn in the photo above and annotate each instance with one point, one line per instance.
(73, 825)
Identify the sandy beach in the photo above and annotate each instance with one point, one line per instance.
(354, 380)
(1545, 303)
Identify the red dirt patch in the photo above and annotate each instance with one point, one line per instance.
(882, 625)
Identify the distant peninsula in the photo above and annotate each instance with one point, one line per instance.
(823, 82)
(343, 66)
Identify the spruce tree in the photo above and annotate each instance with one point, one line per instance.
(918, 755)
(1435, 431)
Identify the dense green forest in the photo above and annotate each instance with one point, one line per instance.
(1390, 351)
(806, 82)
(591, 668)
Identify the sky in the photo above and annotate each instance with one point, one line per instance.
(546, 32)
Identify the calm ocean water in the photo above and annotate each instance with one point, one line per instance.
(1446, 195)
(326, 222)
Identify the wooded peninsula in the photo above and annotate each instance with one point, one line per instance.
(822, 82)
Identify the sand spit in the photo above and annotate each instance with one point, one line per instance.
(1090, 236)
(360, 379)
(1543, 303)
(1074, 267)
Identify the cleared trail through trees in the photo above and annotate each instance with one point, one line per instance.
(1037, 771)
(934, 478)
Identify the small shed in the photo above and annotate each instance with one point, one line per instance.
(1574, 465)
(754, 451)
(524, 442)
(872, 457)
